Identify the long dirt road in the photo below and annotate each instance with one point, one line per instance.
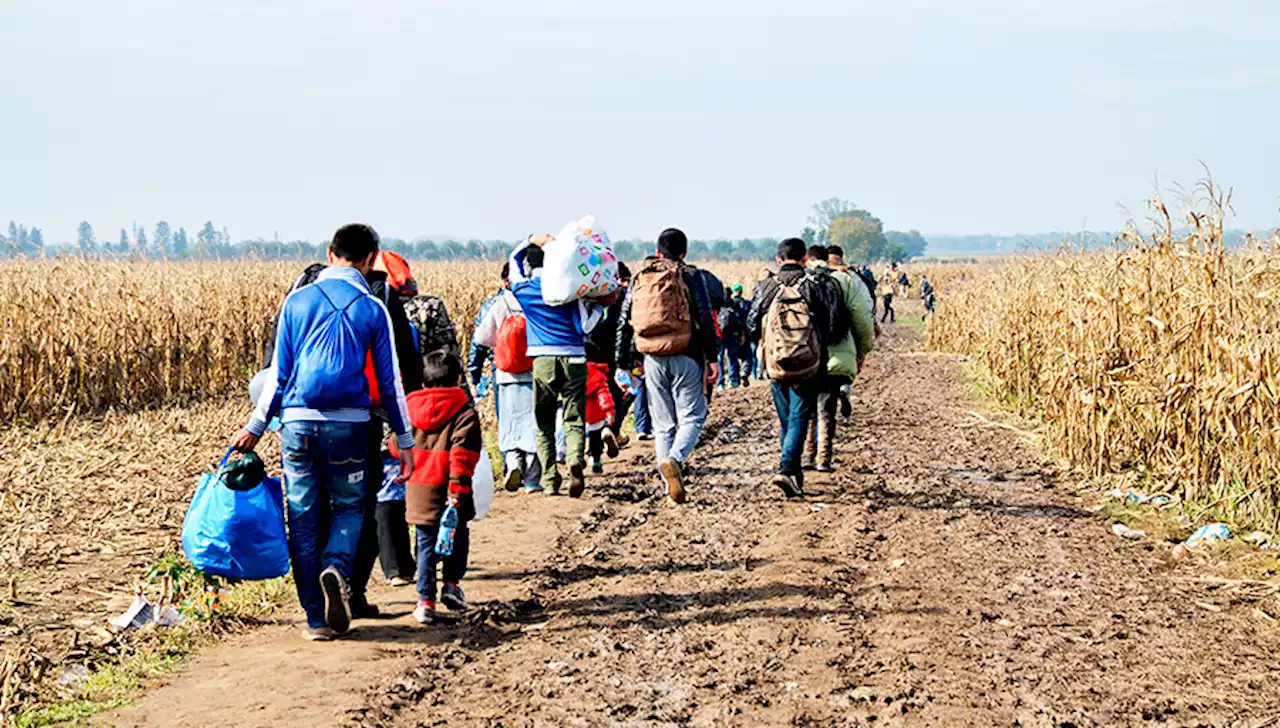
(944, 577)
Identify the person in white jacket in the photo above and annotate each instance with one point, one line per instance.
(517, 428)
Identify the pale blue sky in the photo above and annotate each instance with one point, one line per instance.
(727, 118)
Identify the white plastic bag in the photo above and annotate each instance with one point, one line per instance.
(482, 486)
(579, 263)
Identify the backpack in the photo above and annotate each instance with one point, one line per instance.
(731, 318)
(660, 311)
(429, 318)
(511, 354)
(792, 351)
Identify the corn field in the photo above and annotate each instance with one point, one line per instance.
(1160, 356)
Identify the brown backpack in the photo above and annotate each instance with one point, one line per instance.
(660, 312)
(792, 351)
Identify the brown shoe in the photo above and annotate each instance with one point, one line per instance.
(610, 443)
(792, 485)
(577, 480)
(673, 476)
(622, 441)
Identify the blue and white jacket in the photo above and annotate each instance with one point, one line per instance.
(551, 330)
(325, 332)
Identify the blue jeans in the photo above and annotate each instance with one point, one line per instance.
(730, 361)
(677, 404)
(795, 403)
(324, 477)
(454, 566)
(643, 425)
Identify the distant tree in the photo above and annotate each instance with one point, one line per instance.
(474, 249)
(13, 231)
(809, 235)
(912, 243)
(699, 250)
(627, 250)
(500, 250)
(206, 240)
(22, 238)
(35, 242)
(123, 246)
(825, 213)
(451, 249)
(427, 250)
(141, 241)
(722, 250)
(767, 248)
(164, 238)
(85, 240)
(180, 243)
(862, 238)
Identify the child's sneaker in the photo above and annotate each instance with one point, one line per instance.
(425, 612)
(610, 443)
(399, 581)
(453, 598)
(531, 489)
(597, 467)
(512, 480)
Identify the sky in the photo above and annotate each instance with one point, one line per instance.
(727, 118)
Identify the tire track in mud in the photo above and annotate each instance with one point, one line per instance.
(945, 576)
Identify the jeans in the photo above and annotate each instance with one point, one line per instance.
(454, 566)
(889, 313)
(394, 549)
(794, 402)
(643, 424)
(324, 469)
(677, 404)
(731, 361)
(560, 383)
(820, 441)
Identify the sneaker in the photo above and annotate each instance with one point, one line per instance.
(807, 465)
(453, 598)
(644, 436)
(577, 481)
(360, 608)
(531, 489)
(673, 476)
(335, 600)
(746, 383)
(511, 481)
(597, 468)
(318, 634)
(792, 485)
(610, 443)
(425, 612)
(825, 468)
(846, 407)
(622, 440)
(401, 581)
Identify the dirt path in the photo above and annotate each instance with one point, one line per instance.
(944, 577)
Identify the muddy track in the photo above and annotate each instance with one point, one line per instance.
(945, 576)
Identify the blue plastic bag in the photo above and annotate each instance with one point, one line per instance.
(238, 534)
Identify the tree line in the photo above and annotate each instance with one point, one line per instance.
(834, 222)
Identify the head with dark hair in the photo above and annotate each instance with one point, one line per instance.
(506, 271)
(835, 255)
(672, 244)
(441, 369)
(791, 250)
(817, 252)
(624, 273)
(534, 257)
(354, 245)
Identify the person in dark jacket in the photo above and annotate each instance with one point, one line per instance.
(325, 332)
(733, 333)
(602, 349)
(675, 383)
(795, 400)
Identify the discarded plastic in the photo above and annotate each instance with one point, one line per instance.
(1139, 498)
(141, 613)
(73, 675)
(1124, 531)
(1206, 533)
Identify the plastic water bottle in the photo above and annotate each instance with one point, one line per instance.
(448, 527)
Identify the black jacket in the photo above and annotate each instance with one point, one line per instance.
(822, 293)
(602, 342)
(703, 347)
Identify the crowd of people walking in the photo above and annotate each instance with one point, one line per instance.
(377, 411)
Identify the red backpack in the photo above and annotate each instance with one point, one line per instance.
(511, 354)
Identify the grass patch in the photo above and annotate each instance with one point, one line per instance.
(151, 653)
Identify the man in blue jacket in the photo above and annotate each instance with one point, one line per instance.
(557, 337)
(325, 333)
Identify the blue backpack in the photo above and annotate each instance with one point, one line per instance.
(235, 525)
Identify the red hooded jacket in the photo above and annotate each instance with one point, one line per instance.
(446, 431)
(600, 406)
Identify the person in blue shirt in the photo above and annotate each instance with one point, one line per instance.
(557, 337)
(325, 334)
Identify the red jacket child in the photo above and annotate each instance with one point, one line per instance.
(446, 429)
(600, 407)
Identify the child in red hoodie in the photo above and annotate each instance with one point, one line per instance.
(600, 413)
(446, 429)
